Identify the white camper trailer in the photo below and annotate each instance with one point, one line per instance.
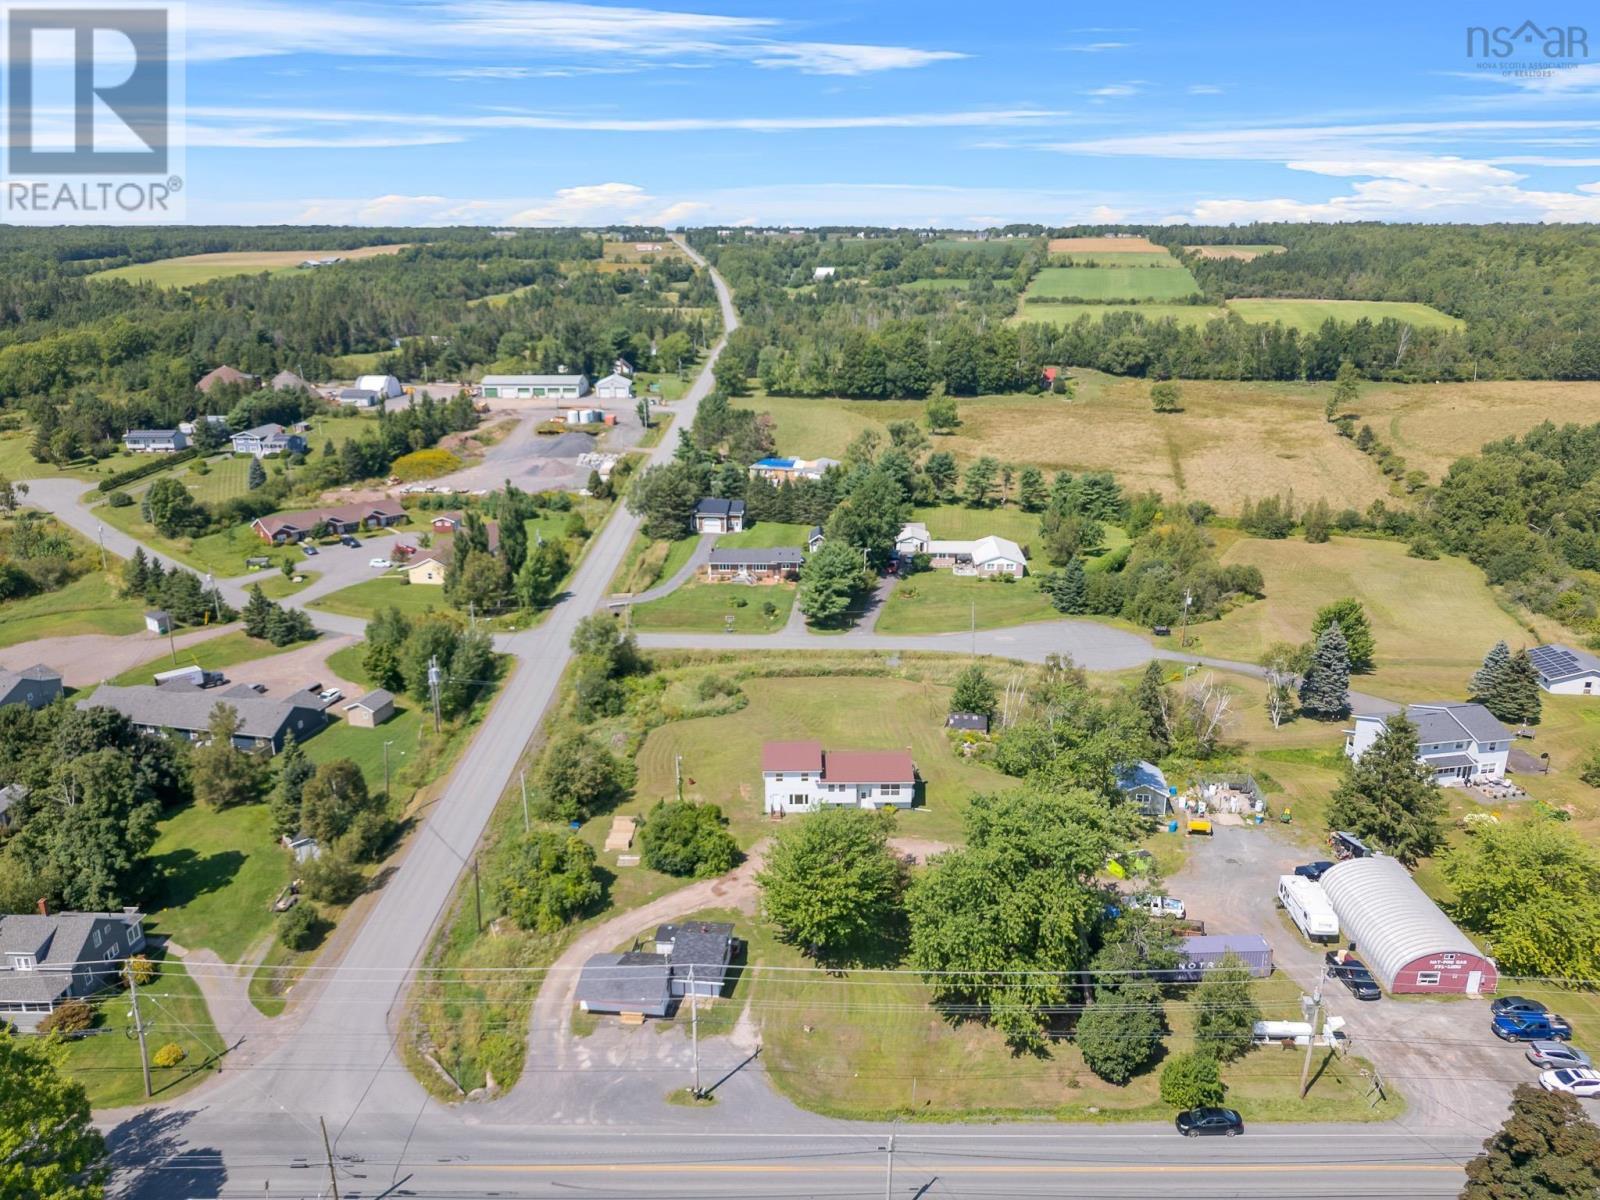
(1308, 907)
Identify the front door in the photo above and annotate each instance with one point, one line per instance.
(1474, 982)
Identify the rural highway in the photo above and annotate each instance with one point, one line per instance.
(256, 1128)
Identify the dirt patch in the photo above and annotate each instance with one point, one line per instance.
(297, 669)
(1242, 253)
(1105, 245)
(92, 658)
(922, 849)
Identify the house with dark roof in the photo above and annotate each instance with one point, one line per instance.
(268, 439)
(1462, 742)
(1145, 785)
(155, 441)
(964, 722)
(698, 954)
(634, 982)
(340, 518)
(288, 381)
(803, 777)
(221, 375)
(713, 515)
(1564, 671)
(48, 958)
(185, 711)
(756, 565)
(35, 686)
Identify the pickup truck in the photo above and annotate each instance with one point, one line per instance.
(1526, 1027)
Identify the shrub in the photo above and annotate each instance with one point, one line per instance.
(120, 500)
(684, 838)
(501, 1057)
(70, 1017)
(333, 879)
(1191, 1079)
(424, 464)
(169, 1055)
(139, 969)
(297, 928)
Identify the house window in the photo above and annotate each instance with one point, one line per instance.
(890, 789)
(97, 936)
(1427, 979)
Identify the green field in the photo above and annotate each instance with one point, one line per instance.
(764, 535)
(214, 654)
(1195, 315)
(373, 595)
(190, 269)
(937, 601)
(89, 604)
(1113, 283)
(706, 607)
(936, 285)
(223, 554)
(225, 478)
(220, 870)
(955, 522)
(106, 1062)
(1308, 315)
(1113, 258)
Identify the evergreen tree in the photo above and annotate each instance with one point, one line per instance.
(294, 770)
(257, 475)
(1032, 495)
(136, 574)
(1488, 679)
(1351, 618)
(974, 692)
(1150, 698)
(980, 482)
(1516, 700)
(258, 612)
(1325, 687)
(1388, 798)
(1067, 588)
(513, 542)
(1548, 1149)
(829, 581)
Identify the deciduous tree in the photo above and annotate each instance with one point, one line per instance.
(681, 837)
(829, 582)
(49, 1147)
(974, 692)
(578, 777)
(1351, 617)
(544, 880)
(224, 775)
(831, 884)
(1548, 1149)
(1225, 1010)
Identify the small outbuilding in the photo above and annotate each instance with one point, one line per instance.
(157, 621)
(1405, 939)
(1144, 784)
(966, 722)
(1564, 671)
(633, 983)
(372, 710)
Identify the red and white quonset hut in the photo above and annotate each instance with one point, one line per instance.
(1401, 935)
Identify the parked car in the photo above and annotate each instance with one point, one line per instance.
(1312, 871)
(1525, 1027)
(1353, 973)
(1551, 1055)
(1162, 906)
(1209, 1122)
(308, 549)
(1583, 1082)
(383, 564)
(346, 540)
(1517, 1004)
(330, 695)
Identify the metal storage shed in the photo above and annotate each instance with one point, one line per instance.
(1403, 937)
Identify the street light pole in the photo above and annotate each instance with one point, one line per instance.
(888, 1177)
(100, 530)
(386, 746)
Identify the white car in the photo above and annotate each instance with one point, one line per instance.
(1163, 906)
(329, 696)
(382, 564)
(1583, 1082)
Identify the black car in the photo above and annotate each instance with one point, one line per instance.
(350, 541)
(1312, 871)
(1518, 1006)
(1353, 973)
(1207, 1122)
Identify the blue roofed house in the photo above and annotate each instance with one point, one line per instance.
(1145, 785)
(48, 958)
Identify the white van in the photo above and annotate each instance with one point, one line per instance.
(1308, 907)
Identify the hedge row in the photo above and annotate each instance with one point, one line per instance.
(112, 482)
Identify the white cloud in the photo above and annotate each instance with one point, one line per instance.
(589, 204)
(1116, 89)
(1097, 47)
(541, 29)
(1204, 89)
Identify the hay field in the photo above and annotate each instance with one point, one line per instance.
(1113, 283)
(1113, 258)
(190, 269)
(1065, 314)
(1308, 315)
(658, 250)
(1243, 253)
(1092, 245)
(1432, 621)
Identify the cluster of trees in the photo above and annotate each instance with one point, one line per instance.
(1508, 686)
(1314, 677)
(36, 554)
(483, 578)
(400, 649)
(179, 593)
(680, 837)
(272, 622)
(544, 880)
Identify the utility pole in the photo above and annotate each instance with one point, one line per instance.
(138, 1026)
(526, 827)
(386, 746)
(215, 595)
(888, 1178)
(101, 531)
(1183, 630)
(694, 1030)
(333, 1178)
(1316, 1024)
(477, 892)
(973, 629)
(172, 645)
(677, 770)
(433, 688)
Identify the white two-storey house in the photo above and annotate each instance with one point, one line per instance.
(803, 777)
(1462, 742)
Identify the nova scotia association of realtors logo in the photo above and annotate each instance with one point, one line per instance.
(93, 113)
(1528, 48)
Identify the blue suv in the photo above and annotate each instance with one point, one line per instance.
(1530, 1027)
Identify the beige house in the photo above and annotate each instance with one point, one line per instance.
(428, 570)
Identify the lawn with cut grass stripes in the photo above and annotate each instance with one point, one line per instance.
(1155, 283)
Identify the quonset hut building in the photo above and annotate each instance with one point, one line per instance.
(1403, 937)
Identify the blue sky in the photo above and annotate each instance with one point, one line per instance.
(769, 111)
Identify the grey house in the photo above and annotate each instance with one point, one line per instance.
(698, 954)
(634, 982)
(34, 686)
(45, 960)
(268, 439)
(154, 441)
(1145, 785)
(750, 566)
(186, 711)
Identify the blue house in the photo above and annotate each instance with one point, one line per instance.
(1145, 785)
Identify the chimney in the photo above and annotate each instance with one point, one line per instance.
(44, 907)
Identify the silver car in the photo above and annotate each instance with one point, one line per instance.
(1554, 1055)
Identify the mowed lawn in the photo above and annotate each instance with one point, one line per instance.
(938, 601)
(1433, 621)
(722, 755)
(89, 604)
(708, 607)
(372, 596)
(190, 269)
(764, 535)
(1114, 258)
(648, 562)
(220, 872)
(213, 654)
(1308, 315)
(1195, 315)
(1114, 283)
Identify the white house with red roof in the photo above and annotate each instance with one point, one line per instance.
(803, 777)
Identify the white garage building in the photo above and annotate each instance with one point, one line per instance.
(1564, 671)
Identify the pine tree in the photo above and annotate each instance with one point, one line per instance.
(257, 475)
(1487, 679)
(136, 574)
(1388, 798)
(974, 692)
(1067, 588)
(294, 769)
(258, 612)
(1151, 700)
(1325, 688)
(1519, 693)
